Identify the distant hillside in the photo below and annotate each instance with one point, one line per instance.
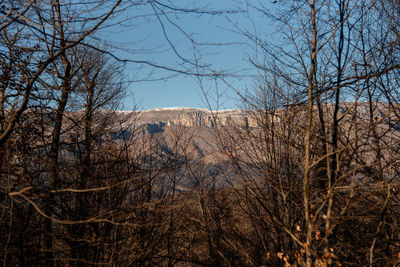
(198, 126)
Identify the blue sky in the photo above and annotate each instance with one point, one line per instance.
(221, 49)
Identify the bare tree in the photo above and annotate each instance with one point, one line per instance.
(33, 35)
(319, 102)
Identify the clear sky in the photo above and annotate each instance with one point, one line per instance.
(165, 40)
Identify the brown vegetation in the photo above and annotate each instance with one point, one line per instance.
(306, 175)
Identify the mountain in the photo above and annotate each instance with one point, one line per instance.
(196, 133)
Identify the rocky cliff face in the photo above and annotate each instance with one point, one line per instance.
(154, 120)
(193, 118)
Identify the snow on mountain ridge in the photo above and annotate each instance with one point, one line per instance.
(190, 109)
(174, 108)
